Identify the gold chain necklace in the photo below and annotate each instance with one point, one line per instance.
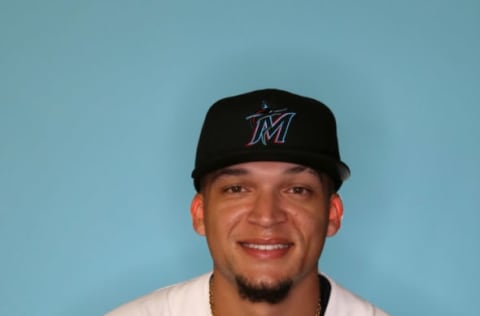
(212, 303)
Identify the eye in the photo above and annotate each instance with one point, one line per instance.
(234, 189)
(299, 190)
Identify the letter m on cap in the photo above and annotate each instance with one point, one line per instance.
(269, 127)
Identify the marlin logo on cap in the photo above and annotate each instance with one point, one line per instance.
(269, 124)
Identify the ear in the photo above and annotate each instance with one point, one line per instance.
(335, 214)
(197, 213)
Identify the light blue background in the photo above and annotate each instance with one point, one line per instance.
(101, 103)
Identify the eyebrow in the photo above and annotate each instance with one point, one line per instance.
(228, 171)
(238, 171)
(299, 169)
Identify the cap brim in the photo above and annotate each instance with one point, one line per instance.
(337, 170)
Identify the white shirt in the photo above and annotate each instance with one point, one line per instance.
(191, 298)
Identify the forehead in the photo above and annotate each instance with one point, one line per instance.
(263, 168)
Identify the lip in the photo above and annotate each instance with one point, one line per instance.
(266, 249)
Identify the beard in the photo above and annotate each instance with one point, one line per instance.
(263, 292)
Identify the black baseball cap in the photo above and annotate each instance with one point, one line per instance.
(269, 125)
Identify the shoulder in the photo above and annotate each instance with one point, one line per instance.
(186, 298)
(343, 302)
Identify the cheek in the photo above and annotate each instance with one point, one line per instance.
(222, 228)
(312, 223)
(222, 218)
(308, 213)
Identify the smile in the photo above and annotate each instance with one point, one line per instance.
(264, 247)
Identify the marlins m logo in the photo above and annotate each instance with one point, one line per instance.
(269, 125)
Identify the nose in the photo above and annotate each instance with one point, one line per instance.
(267, 210)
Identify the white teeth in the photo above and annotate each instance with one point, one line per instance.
(266, 247)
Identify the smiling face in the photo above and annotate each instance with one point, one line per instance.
(266, 222)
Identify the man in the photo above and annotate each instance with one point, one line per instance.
(267, 171)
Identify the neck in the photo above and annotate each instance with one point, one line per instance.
(303, 299)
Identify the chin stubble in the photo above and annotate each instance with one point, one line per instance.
(263, 292)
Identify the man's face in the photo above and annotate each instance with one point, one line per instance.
(266, 222)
